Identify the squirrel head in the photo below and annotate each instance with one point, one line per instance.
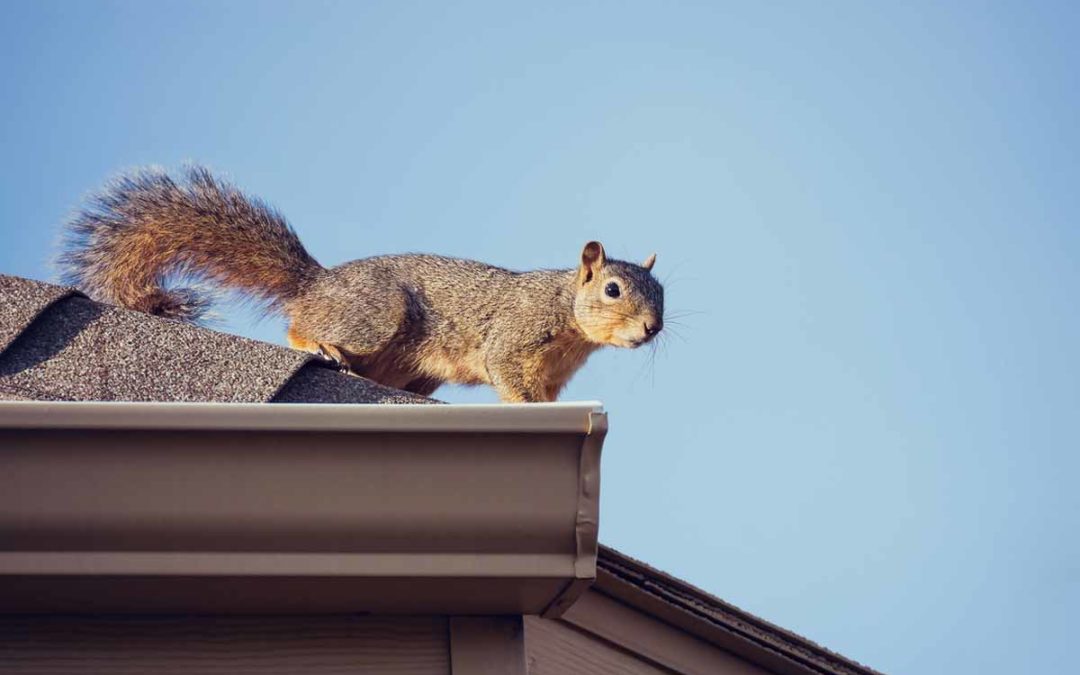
(617, 303)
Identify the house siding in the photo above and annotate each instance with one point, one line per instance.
(316, 645)
(555, 648)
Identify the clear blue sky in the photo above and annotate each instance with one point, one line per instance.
(868, 432)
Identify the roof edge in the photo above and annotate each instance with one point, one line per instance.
(234, 508)
(539, 418)
(686, 606)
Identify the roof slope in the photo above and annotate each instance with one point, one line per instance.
(709, 617)
(56, 344)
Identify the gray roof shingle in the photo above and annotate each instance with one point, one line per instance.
(56, 344)
(22, 301)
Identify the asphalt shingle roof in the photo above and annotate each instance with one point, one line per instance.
(56, 344)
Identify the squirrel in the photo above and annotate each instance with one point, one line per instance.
(409, 321)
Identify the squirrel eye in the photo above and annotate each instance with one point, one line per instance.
(611, 290)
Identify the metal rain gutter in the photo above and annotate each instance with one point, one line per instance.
(195, 507)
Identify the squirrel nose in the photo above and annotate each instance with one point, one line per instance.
(653, 329)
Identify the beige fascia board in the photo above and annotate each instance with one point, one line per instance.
(457, 509)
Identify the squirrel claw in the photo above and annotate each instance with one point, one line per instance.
(333, 361)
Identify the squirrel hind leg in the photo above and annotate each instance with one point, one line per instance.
(330, 352)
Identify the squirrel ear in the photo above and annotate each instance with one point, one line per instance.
(592, 259)
(649, 262)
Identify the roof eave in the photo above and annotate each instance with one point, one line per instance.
(171, 507)
(698, 613)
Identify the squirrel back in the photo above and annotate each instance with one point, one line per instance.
(407, 321)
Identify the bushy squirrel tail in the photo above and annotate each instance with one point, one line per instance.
(145, 229)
